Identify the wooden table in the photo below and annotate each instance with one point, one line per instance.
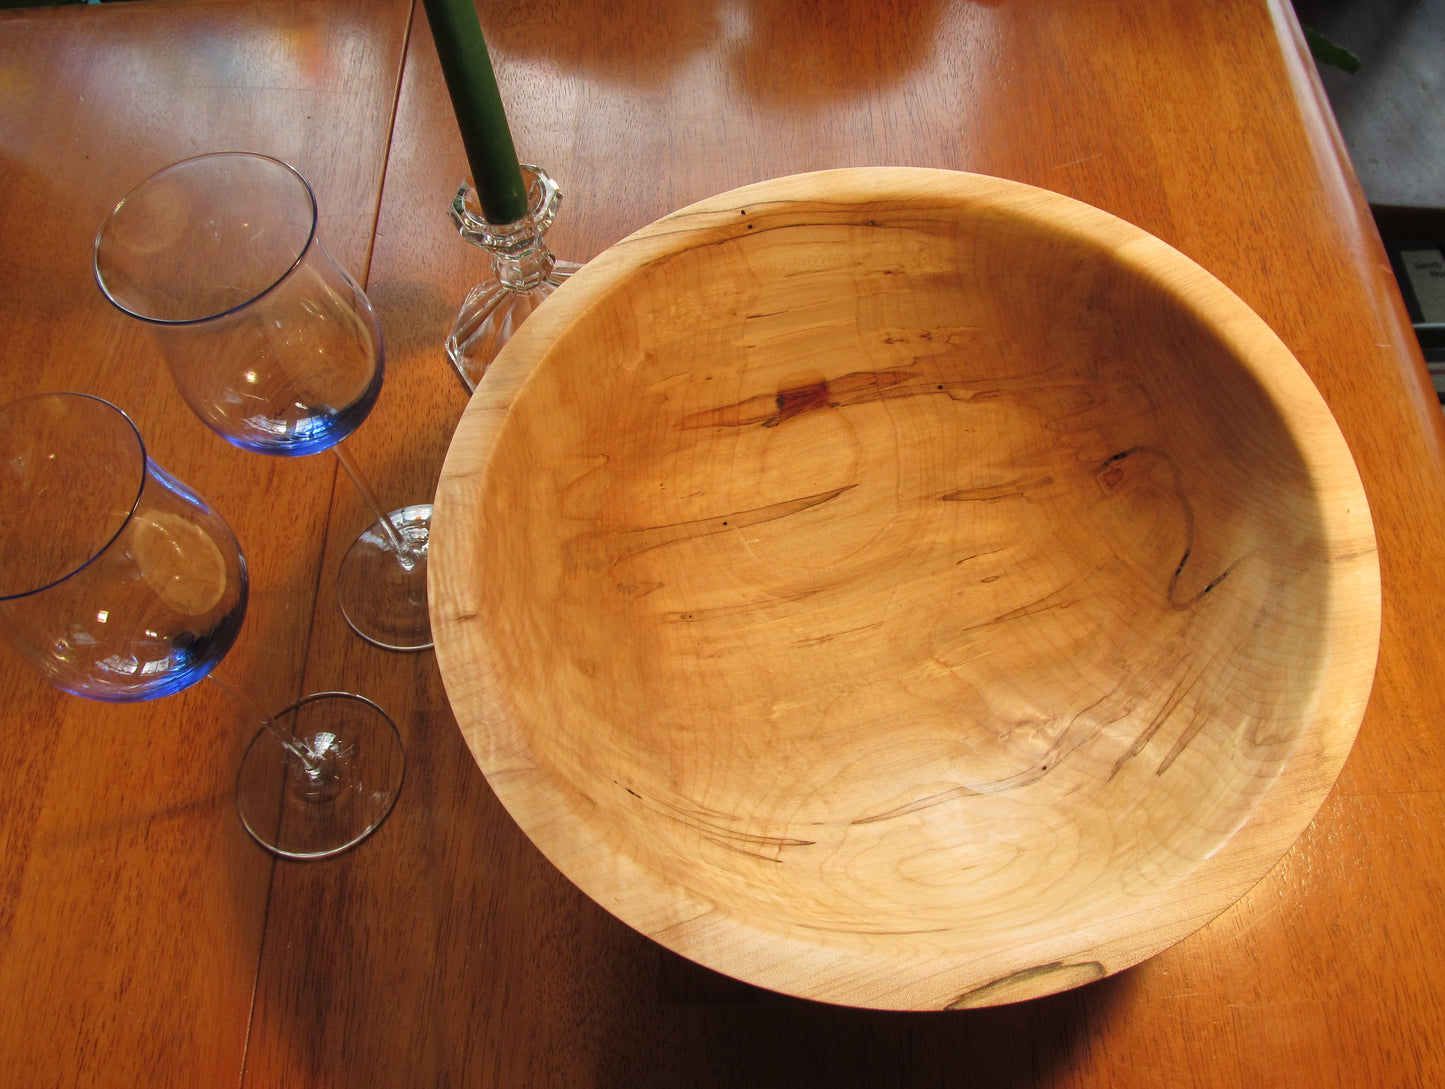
(145, 940)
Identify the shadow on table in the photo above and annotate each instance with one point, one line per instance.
(749, 1037)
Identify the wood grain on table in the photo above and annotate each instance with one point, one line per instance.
(143, 939)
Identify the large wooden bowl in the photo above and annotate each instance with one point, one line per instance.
(904, 588)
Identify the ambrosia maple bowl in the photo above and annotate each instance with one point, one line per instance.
(904, 588)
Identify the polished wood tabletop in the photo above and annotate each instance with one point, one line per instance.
(145, 940)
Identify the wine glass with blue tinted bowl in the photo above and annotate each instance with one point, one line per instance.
(119, 583)
(272, 344)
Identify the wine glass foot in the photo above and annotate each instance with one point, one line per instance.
(382, 595)
(339, 795)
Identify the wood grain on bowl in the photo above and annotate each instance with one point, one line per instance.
(904, 588)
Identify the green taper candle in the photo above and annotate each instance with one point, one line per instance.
(478, 106)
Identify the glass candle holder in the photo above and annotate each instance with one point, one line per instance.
(524, 272)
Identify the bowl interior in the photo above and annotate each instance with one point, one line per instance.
(883, 594)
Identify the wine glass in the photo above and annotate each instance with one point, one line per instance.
(272, 344)
(119, 583)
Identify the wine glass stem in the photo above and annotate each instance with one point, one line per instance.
(296, 747)
(405, 554)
